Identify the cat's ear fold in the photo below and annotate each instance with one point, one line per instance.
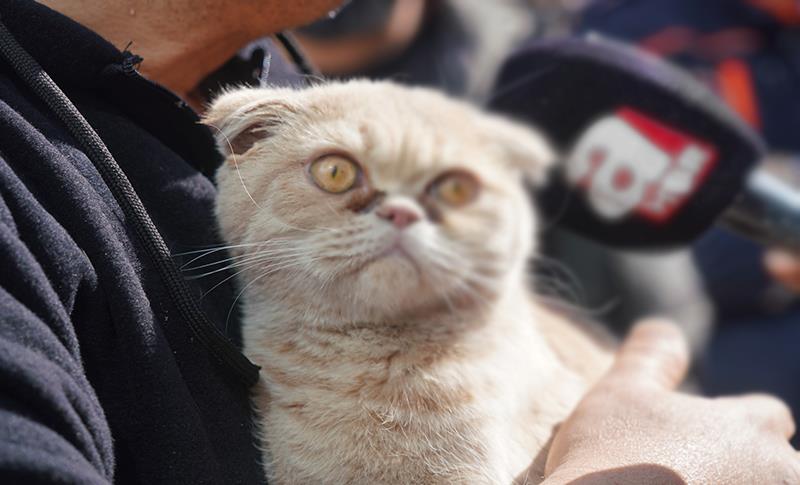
(243, 117)
(526, 149)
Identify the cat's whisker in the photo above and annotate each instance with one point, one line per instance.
(447, 260)
(465, 279)
(441, 260)
(579, 309)
(235, 163)
(570, 280)
(446, 298)
(562, 280)
(233, 260)
(333, 211)
(226, 268)
(228, 278)
(474, 294)
(263, 275)
(273, 242)
(249, 266)
(556, 288)
(316, 230)
(215, 248)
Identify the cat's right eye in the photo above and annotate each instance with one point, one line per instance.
(334, 173)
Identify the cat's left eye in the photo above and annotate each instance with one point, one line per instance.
(457, 188)
(334, 173)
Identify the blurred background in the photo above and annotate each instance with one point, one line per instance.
(744, 326)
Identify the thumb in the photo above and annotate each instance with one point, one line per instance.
(655, 352)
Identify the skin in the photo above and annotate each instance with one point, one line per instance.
(185, 40)
(630, 427)
(633, 428)
(784, 267)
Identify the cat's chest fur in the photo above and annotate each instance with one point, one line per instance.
(361, 407)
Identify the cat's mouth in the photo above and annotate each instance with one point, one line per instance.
(396, 249)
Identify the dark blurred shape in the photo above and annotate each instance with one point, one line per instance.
(767, 211)
(749, 52)
(436, 57)
(454, 45)
(260, 63)
(355, 17)
(362, 34)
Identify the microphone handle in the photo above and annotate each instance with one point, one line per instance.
(767, 211)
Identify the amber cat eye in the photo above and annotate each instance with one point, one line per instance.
(334, 173)
(456, 189)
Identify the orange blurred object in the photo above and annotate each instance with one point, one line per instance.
(786, 11)
(736, 86)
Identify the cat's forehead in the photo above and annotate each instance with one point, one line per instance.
(400, 107)
(400, 133)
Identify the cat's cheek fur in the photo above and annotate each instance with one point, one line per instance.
(233, 213)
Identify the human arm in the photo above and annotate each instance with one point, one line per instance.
(52, 427)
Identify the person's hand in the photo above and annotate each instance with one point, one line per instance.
(784, 267)
(633, 428)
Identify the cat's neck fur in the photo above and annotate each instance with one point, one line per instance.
(455, 325)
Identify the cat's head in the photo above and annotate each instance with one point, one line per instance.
(367, 201)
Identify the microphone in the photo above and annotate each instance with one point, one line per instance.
(652, 158)
(767, 211)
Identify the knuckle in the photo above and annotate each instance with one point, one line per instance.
(777, 407)
(655, 351)
(662, 337)
(620, 388)
(771, 412)
(659, 329)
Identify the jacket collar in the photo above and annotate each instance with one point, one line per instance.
(79, 60)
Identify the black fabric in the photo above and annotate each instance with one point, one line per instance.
(563, 86)
(101, 379)
(48, 91)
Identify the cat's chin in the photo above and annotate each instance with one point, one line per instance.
(391, 283)
(394, 262)
(389, 274)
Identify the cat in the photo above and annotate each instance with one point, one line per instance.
(383, 233)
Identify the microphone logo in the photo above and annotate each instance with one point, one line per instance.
(628, 163)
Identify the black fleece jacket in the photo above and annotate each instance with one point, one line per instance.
(101, 377)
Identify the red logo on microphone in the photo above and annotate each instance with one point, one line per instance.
(630, 163)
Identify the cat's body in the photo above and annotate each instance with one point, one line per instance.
(367, 406)
(397, 338)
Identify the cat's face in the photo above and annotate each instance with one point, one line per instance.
(365, 202)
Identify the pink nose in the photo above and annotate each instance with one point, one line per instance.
(399, 216)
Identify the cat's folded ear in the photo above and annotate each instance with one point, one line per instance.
(241, 118)
(525, 148)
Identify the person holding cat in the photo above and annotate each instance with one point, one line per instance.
(112, 371)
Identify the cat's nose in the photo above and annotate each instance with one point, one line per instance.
(398, 215)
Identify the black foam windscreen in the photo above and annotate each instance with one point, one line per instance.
(651, 157)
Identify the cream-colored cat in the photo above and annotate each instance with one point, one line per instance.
(382, 234)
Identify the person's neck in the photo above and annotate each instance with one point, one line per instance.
(175, 55)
